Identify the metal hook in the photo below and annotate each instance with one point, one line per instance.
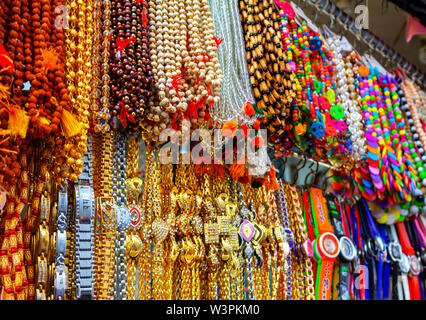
(315, 174)
(387, 64)
(296, 176)
(325, 183)
(331, 22)
(284, 167)
(320, 176)
(311, 173)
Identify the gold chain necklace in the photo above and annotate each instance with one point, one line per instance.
(105, 221)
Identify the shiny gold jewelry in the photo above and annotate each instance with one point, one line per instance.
(105, 221)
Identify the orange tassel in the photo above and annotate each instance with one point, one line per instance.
(4, 92)
(237, 171)
(69, 124)
(18, 122)
(230, 128)
(248, 109)
(50, 59)
(273, 184)
(220, 171)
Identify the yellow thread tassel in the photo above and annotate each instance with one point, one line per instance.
(69, 124)
(45, 121)
(18, 122)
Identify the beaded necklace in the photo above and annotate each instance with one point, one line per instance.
(417, 170)
(299, 109)
(79, 75)
(323, 111)
(415, 145)
(271, 79)
(131, 74)
(414, 103)
(387, 160)
(10, 148)
(372, 181)
(346, 85)
(422, 107)
(101, 104)
(235, 90)
(298, 123)
(185, 65)
(398, 134)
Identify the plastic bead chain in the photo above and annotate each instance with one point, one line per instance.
(414, 144)
(387, 171)
(414, 103)
(323, 115)
(422, 107)
(345, 79)
(410, 107)
(396, 131)
(299, 124)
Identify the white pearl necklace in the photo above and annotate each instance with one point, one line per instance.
(172, 26)
(348, 98)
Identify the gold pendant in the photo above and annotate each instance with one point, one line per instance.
(133, 245)
(211, 232)
(160, 230)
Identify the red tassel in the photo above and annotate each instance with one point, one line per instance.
(245, 129)
(207, 117)
(144, 18)
(5, 61)
(192, 111)
(121, 44)
(174, 124)
(218, 41)
(123, 118)
(175, 83)
(130, 117)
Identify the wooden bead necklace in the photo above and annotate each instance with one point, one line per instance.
(271, 79)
